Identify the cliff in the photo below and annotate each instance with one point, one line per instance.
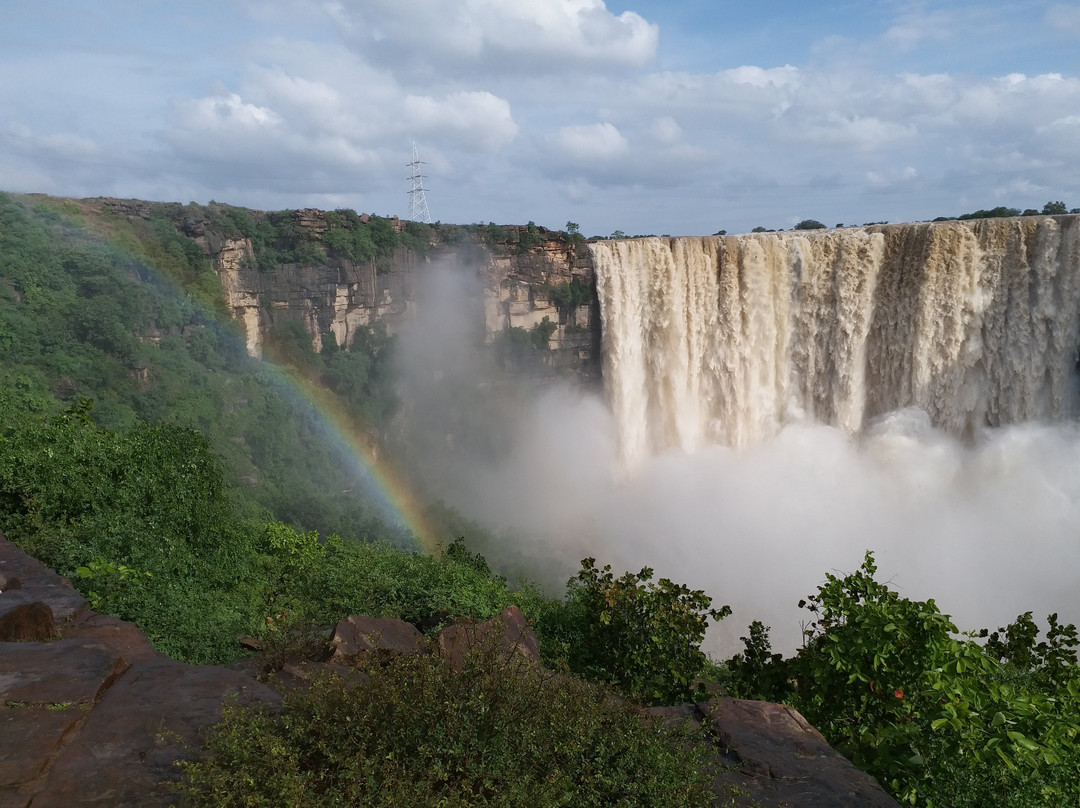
(527, 274)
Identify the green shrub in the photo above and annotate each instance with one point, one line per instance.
(417, 733)
(937, 718)
(642, 637)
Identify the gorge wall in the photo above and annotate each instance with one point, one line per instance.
(726, 339)
(518, 271)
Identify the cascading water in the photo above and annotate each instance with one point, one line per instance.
(727, 339)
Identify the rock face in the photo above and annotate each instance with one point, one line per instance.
(770, 756)
(94, 716)
(339, 297)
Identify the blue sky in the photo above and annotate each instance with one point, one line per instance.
(679, 117)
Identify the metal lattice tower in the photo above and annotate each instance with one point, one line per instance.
(418, 209)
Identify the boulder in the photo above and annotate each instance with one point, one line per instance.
(355, 636)
(39, 583)
(507, 630)
(24, 618)
(779, 759)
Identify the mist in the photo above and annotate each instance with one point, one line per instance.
(987, 527)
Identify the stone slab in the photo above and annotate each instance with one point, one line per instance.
(780, 759)
(37, 734)
(51, 673)
(148, 719)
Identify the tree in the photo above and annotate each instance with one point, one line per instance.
(809, 224)
(1054, 209)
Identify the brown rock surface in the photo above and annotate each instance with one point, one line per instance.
(63, 672)
(354, 636)
(39, 583)
(98, 717)
(779, 759)
(141, 726)
(119, 635)
(508, 629)
(23, 617)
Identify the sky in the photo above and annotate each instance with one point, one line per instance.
(681, 117)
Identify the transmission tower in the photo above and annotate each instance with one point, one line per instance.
(418, 209)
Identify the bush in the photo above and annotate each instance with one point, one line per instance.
(937, 718)
(417, 733)
(642, 637)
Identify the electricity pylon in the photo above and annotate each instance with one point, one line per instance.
(418, 209)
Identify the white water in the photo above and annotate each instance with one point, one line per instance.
(725, 340)
(780, 403)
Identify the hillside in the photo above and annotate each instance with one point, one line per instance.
(161, 312)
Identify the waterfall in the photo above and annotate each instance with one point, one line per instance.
(726, 339)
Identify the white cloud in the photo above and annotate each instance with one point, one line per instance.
(591, 142)
(477, 118)
(498, 35)
(916, 27)
(853, 131)
(786, 76)
(228, 114)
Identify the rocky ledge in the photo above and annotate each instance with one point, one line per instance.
(92, 715)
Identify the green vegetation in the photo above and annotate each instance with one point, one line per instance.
(129, 314)
(568, 296)
(1049, 209)
(417, 733)
(809, 224)
(642, 637)
(939, 719)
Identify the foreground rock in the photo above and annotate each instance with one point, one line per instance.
(768, 755)
(355, 636)
(507, 631)
(95, 716)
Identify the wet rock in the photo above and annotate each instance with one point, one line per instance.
(37, 733)
(122, 637)
(779, 759)
(24, 618)
(508, 630)
(146, 721)
(52, 673)
(354, 636)
(39, 583)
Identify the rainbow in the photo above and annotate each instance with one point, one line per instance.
(391, 494)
